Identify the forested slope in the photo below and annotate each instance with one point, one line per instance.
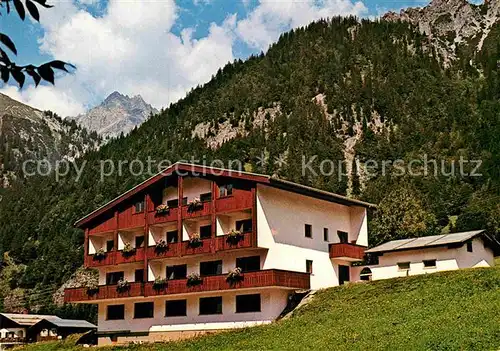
(339, 89)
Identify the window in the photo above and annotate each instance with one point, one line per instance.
(308, 231)
(206, 231)
(175, 308)
(184, 201)
(139, 207)
(211, 268)
(113, 277)
(211, 305)
(469, 246)
(248, 303)
(144, 310)
(177, 272)
(325, 234)
(429, 263)
(110, 245)
(343, 236)
(139, 275)
(309, 266)
(173, 203)
(115, 312)
(139, 241)
(172, 236)
(225, 190)
(404, 266)
(365, 274)
(244, 226)
(206, 197)
(248, 264)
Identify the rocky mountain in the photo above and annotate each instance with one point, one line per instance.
(453, 25)
(30, 134)
(117, 114)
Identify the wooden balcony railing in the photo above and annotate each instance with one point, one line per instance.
(170, 216)
(211, 245)
(240, 200)
(204, 210)
(115, 257)
(257, 279)
(347, 252)
(103, 292)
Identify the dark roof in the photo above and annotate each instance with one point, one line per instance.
(431, 241)
(205, 170)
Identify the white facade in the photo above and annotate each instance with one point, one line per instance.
(281, 220)
(281, 244)
(446, 259)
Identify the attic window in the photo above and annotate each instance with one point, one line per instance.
(139, 207)
(225, 190)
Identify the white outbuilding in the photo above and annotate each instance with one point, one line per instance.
(430, 254)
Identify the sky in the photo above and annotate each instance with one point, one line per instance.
(158, 49)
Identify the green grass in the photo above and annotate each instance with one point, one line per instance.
(445, 311)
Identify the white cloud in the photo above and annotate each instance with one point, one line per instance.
(130, 47)
(272, 17)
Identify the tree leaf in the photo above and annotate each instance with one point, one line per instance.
(46, 73)
(18, 76)
(4, 57)
(60, 65)
(5, 40)
(36, 77)
(33, 10)
(4, 71)
(20, 9)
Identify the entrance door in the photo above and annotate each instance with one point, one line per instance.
(344, 274)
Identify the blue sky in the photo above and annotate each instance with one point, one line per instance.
(159, 49)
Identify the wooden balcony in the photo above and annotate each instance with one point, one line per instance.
(258, 279)
(240, 200)
(204, 210)
(170, 216)
(115, 257)
(347, 252)
(207, 246)
(104, 292)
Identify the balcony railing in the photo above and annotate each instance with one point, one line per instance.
(103, 292)
(206, 246)
(257, 279)
(204, 210)
(169, 216)
(115, 257)
(347, 252)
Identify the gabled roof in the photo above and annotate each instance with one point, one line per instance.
(205, 170)
(431, 241)
(29, 320)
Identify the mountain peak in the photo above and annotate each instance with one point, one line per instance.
(116, 114)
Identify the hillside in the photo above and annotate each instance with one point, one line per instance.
(445, 311)
(29, 134)
(117, 114)
(341, 90)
